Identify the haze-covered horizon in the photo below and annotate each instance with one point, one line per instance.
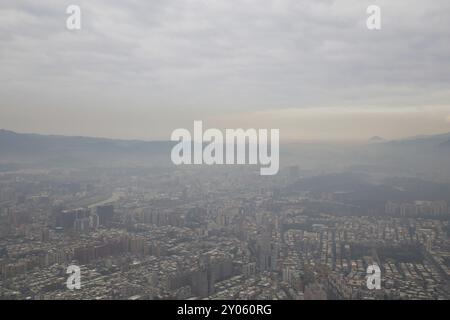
(361, 140)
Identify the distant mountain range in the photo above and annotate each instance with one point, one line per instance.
(413, 155)
(13, 141)
(85, 151)
(438, 140)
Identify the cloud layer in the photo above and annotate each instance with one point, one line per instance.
(139, 69)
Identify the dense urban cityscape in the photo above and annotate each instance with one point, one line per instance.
(203, 233)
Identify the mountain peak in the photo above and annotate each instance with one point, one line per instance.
(376, 139)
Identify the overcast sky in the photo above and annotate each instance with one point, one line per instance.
(142, 68)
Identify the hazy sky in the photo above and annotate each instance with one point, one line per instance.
(142, 68)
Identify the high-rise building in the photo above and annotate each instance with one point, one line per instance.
(105, 214)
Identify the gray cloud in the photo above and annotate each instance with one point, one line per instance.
(146, 67)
